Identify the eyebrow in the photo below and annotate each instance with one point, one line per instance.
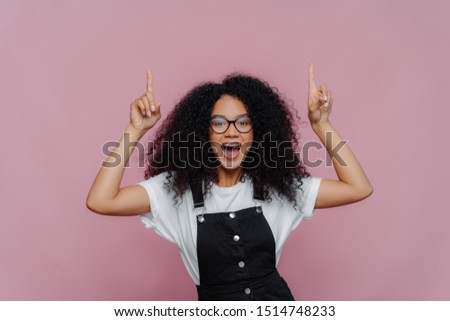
(238, 116)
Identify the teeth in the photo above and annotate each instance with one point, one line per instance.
(232, 145)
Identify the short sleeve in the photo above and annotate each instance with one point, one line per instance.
(307, 195)
(162, 216)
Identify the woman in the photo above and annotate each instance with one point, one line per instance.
(225, 184)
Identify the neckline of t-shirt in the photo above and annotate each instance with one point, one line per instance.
(224, 189)
(238, 185)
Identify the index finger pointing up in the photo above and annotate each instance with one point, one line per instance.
(149, 81)
(311, 82)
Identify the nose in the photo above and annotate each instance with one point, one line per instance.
(232, 130)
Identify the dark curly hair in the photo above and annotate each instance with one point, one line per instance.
(181, 146)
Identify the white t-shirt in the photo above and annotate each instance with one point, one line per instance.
(178, 223)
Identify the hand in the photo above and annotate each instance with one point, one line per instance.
(319, 100)
(144, 112)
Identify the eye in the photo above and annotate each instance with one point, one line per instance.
(218, 122)
(244, 122)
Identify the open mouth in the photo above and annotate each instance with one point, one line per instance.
(231, 150)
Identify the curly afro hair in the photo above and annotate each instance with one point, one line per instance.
(181, 146)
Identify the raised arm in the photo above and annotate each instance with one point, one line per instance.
(105, 195)
(353, 184)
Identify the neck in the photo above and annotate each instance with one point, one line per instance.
(227, 178)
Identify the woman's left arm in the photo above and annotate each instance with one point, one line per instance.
(353, 184)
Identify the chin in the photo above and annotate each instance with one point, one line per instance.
(231, 165)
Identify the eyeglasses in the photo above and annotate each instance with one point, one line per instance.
(220, 124)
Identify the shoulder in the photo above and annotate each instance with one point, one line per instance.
(307, 188)
(157, 181)
(307, 183)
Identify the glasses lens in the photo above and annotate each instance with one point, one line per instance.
(244, 124)
(219, 125)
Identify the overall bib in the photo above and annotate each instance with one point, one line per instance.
(236, 254)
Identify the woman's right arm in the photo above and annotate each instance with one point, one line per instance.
(105, 196)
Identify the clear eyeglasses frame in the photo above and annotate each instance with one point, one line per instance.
(220, 125)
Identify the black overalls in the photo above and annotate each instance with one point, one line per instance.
(236, 254)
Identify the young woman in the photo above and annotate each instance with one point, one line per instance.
(225, 184)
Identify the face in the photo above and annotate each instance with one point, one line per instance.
(231, 147)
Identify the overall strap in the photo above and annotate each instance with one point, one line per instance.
(258, 193)
(197, 191)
